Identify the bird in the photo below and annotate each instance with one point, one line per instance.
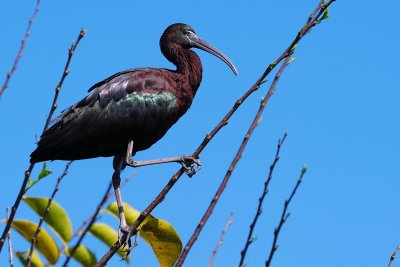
(131, 110)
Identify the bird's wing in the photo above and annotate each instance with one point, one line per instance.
(131, 104)
(99, 84)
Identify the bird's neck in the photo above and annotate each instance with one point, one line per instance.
(190, 66)
(187, 64)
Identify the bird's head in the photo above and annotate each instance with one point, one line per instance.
(184, 36)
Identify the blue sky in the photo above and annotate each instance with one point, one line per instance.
(338, 101)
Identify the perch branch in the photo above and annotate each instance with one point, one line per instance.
(249, 239)
(230, 170)
(32, 165)
(21, 49)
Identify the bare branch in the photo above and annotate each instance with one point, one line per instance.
(284, 217)
(249, 239)
(393, 256)
(160, 197)
(230, 170)
(71, 51)
(10, 251)
(221, 239)
(46, 211)
(32, 165)
(21, 49)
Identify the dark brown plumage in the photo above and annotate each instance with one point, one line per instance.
(137, 104)
(130, 111)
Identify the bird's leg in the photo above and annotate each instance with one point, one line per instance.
(119, 164)
(186, 161)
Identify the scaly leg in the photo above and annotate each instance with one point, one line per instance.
(185, 161)
(119, 164)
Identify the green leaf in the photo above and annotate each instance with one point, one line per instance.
(43, 173)
(44, 242)
(158, 233)
(84, 256)
(107, 235)
(23, 258)
(56, 218)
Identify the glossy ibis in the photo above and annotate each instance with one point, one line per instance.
(131, 110)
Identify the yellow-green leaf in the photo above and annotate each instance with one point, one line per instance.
(56, 218)
(107, 235)
(44, 242)
(158, 233)
(35, 261)
(163, 239)
(84, 256)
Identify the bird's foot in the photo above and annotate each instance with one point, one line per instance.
(124, 230)
(131, 246)
(188, 162)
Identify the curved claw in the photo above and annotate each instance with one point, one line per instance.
(122, 231)
(131, 246)
(187, 163)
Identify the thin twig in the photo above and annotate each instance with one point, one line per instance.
(21, 49)
(45, 212)
(290, 50)
(160, 197)
(250, 239)
(229, 172)
(284, 217)
(71, 51)
(393, 255)
(10, 251)
(32, 165)
(221, 239)
(91, 222)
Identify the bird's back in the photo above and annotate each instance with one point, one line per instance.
(138, 104)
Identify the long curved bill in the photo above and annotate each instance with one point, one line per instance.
(203, 45)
